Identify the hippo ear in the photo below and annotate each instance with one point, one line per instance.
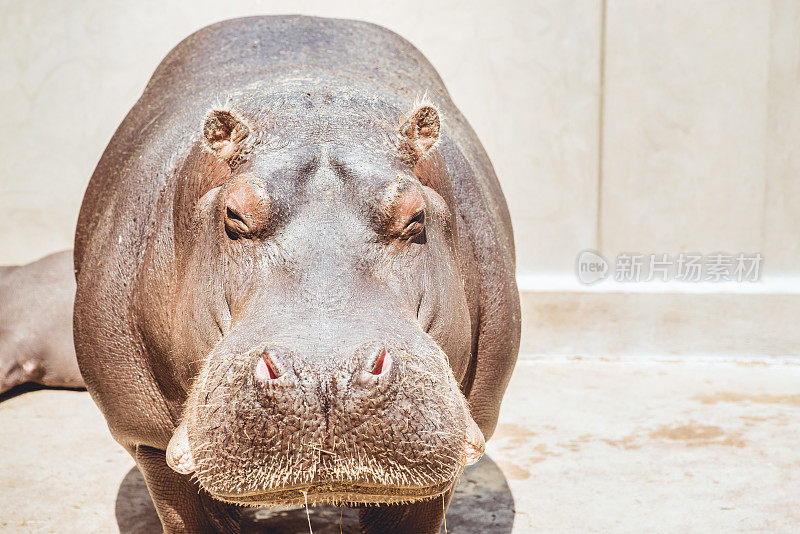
(420, 131)
(224, 134)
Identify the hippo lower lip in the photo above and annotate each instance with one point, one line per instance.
(337, 493)
(179, 458)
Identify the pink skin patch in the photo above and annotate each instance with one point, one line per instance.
(475, 444)
(179, 455)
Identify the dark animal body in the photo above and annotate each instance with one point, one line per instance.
(36, 323)
(295, 273)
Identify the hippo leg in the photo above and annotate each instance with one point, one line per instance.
(15, 369)
(9, 376)
(424, 517)
(9, 379)
(180, 504)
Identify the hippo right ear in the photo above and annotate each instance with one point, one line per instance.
(224, 135)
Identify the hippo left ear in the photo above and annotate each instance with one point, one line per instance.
(224, 134)
(421, 131)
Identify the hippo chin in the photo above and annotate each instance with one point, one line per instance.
(295, 278)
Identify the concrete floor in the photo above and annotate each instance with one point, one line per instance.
(582, 446)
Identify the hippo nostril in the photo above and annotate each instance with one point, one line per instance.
(373, 366)
(383, 362)
(265, 368)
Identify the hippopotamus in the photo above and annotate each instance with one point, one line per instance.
(36, 323)
(295, 278)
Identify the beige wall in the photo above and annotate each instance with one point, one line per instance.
(70, 71)
(648, 126)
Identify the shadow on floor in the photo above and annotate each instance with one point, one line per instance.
(134, 508)
(16, 391)
(482, 504)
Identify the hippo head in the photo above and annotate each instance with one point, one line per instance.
(320, 317)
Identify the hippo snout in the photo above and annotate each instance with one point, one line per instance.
(273, 425)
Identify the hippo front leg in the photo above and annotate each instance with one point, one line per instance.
(424, 517)
(178, 500)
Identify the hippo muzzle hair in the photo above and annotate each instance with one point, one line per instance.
(295, 279)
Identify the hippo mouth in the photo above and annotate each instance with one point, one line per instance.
(337, 493)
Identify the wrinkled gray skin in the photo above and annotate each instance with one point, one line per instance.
(36, 324)
(296, 279)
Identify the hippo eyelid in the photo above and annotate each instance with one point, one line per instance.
(419, 217)
(235, 224)
(233, 214)
(415, 225)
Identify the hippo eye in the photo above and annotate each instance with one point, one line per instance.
(415, 225)
(235, 224)
(247, 209)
